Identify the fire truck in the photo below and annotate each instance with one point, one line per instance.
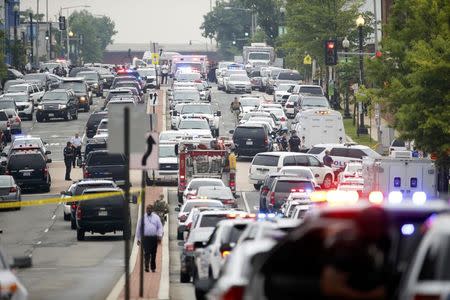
(204, 161)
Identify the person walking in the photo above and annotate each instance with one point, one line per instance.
(76, 143)
(294, 142)
(153, 232)
(69, 157)
(164, 73)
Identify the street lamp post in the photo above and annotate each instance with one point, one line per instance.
(360, 24)
(67, 25)
(347, 115)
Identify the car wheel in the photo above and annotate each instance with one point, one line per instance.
(75, 116)
(87, 108)
(327, 182)
(46, 188)
(73, 223)
(185, 277)
(257, 186)
(66, 217)
(39, 118)
(80, 234)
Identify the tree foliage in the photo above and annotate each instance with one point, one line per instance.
(97, 33)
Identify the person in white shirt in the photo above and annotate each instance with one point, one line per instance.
(152, 234)
(164, 73)
(76, 144)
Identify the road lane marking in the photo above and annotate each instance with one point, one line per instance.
(38, 243)
(247, 207)
(54, 216)
(46, 230)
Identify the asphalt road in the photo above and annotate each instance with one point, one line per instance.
(248, 199)
(63, 268)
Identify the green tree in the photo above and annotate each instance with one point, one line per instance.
(414, 76)
(97, 33)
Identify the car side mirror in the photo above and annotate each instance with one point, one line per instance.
(177, 209)
(48, 152)
(219, 113)
(22, 262)
(49, 160)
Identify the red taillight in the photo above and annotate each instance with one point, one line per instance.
(272, 198)
(266, 140)
(228, 201)
(13, 189)
(297, 190)
(86, 174)
(426, 297)
(45, 171)
(265, 190)
(74, 206)
(182, 218)
(234, 293)
(189, 247)
(79, 213)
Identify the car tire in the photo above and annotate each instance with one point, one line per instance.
(327, 182)
(66, 217)
(257, 186)
(228, 91)
(73, 223)
(185, 277)
(75, 116)
(39, 119)
(87, 108)
(180, 235)
(80, 234)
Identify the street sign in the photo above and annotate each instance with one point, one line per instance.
(139, 137)
(155, 58)
(307, 60)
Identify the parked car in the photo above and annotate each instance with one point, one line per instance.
(9, 190)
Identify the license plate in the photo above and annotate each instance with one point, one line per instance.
(249, 143)
(51, 115)
(26, 173)
(102, 213)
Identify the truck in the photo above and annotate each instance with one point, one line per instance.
(400, 177)
(319, 126)
(204, 161)
(258, 54)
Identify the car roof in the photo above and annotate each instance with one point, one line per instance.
(102, 190)
(206, 179)
(350, 146)
(252, 125)
(57, 90)
(89, 181)
(221, 212)
(72, 79)
(283, 153)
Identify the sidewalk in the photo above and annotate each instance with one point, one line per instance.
(155, 285)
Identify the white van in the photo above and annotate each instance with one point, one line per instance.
(272, 162)
(319, 126)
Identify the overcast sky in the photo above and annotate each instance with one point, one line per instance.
(141, 21)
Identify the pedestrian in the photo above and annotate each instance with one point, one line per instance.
(327, 159)
(161, 208)
(76, 143)
(153, 232)
(164, 73)
(69, 157)
(294, 142)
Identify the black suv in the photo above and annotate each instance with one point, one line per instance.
(80, 87)
(58, 103)
(250, 140)
(93, 80)
(93, 121)
(103, 214)
(101, 164)
(29, 169)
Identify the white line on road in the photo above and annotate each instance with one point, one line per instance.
(38, 243)
(46, 230)
(54, 216)
(247, 207)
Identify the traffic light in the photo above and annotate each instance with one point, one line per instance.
(331, 57)
(62, 23)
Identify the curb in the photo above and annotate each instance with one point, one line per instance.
(164, 281)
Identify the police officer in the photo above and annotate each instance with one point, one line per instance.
(327, 159)
(294, 142)
(69, 156)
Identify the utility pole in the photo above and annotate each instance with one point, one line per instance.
(31, 40)
(37, 33)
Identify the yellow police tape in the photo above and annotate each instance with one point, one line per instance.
(55, 200)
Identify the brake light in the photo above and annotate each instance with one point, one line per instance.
(272, 198)
(79, 213)
(45, 171)
(182, 218)
(13, 189)
(189, 247)
(74, 206)
(426, 297)
(225, 253)
(228, 201)
(234, 293)
(266, 141)
(265, 190)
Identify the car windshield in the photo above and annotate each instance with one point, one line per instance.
(277, 112)
(247, 116)
(147, 72)
(28, 161)
(311, 90)
(259, 56)
(255, 102)
(35, 76)
(5, 181)
(5, 104)
(193, 124)
(57, 96)
(315, 102)
(78, 87)
(265, 160)
(238, 78)
(218, 193)
(27, 142)
(104, 158)
(188, 76)
(103, 125)
(194, 185)
(50, 65)
(197, 109)
(181, 95)
(126, 84)
(167, 151)
(17, 88)
(294, 76)
(284, 87)
(212, 220)
(80, 188)
(293, 186)
(18, 97)
(306, 173)
(88, 75)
